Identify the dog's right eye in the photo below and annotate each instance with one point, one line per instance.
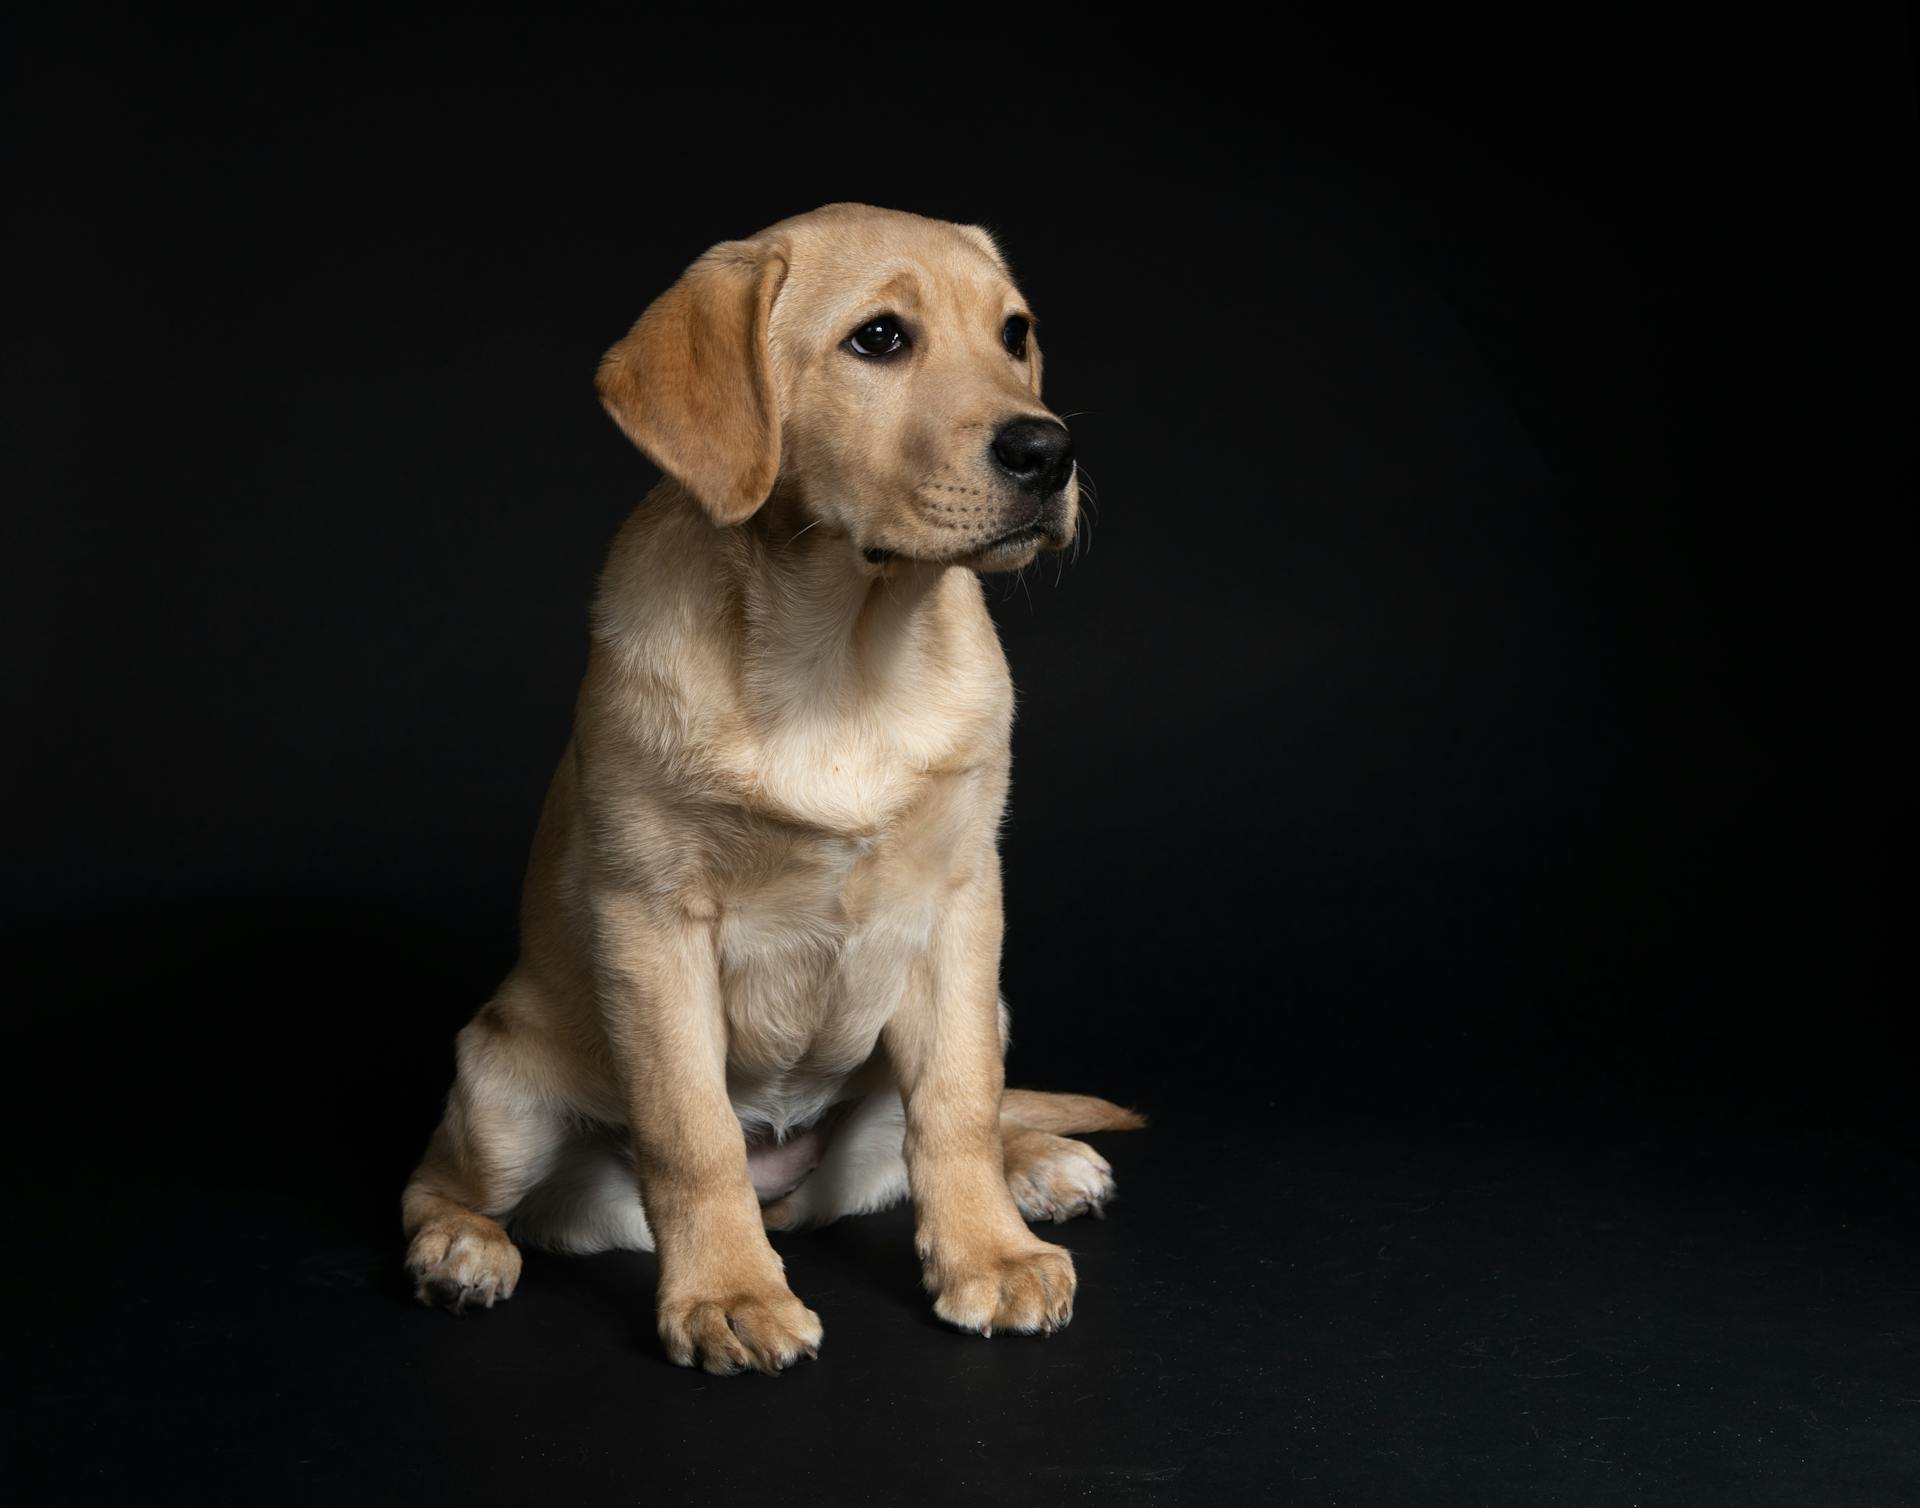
(878, 337)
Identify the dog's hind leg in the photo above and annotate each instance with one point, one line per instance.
(590, 1201)
(1053, 1177)
(497, 1140)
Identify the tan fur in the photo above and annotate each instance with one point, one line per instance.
(764, 897)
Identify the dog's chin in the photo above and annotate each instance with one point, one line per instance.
(1016, 548)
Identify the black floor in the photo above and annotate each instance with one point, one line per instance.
(1285, 1305)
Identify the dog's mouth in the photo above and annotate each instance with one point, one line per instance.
(1015, 541)
(1042, 533)
(1049, 531)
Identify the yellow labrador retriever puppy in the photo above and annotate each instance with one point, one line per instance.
(759, 975)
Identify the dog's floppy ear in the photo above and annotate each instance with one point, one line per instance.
(692, 384)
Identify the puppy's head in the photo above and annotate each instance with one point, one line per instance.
(877, 369)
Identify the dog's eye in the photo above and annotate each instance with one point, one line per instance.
(878, 337)
(1014, 336)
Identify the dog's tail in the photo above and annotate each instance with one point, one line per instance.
(1067, 1113)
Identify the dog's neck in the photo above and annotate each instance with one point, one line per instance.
(800, 678)
(823, 622)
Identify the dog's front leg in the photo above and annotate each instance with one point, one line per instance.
(986, 1270)
(723, 1303)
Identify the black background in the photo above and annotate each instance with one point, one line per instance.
(1455, 795)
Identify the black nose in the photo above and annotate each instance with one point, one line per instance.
(1036, 453)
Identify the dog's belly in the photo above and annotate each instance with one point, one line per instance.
(778, 1167)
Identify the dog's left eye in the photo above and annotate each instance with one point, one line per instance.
(1013, 335)
(877, 337)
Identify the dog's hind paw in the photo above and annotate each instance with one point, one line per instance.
(1056, 1178)
(463, 1264)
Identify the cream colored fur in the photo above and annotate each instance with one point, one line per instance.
(763, 904)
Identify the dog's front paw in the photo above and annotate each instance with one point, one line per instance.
(460, 1264)
(1027, 1288)
(1055, 1178)
(765, 1329)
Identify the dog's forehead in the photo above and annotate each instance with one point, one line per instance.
(842, 266)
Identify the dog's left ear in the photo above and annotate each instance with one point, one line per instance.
(692, 384)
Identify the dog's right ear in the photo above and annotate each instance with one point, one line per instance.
(692, 384)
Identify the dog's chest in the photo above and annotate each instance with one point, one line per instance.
(818, 938)
(846, 779)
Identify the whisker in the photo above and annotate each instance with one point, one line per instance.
(1083, 538)
(797, 533)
